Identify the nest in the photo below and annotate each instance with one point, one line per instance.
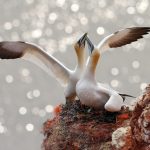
(78, 127)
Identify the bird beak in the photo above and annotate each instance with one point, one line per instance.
(82, 40)
(90, 45)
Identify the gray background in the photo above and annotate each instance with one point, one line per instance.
(26, 92)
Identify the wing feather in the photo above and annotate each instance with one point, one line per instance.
(123, 37)
(36, 55)
(127, 36)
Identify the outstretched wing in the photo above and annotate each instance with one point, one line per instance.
(35, 54)
(123, 37)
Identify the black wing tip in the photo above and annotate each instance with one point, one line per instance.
(126, 95)
(8, 50)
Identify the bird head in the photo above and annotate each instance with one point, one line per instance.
(90, 45)
(80, 44)
(92, 50)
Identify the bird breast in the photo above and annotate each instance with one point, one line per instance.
(71, 87)
(90, 95)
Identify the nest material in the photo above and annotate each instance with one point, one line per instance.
(79, 127)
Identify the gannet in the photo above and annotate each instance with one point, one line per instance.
(97, 95)
(35, 54)
(94, 94)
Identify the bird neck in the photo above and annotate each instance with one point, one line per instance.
(80, 60)
(92, 63)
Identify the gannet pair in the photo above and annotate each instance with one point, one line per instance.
(35, 54)
(97, 95)
(69, 78)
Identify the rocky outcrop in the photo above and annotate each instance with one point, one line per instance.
(140, 122)
(77, 127)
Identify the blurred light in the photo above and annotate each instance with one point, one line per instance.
(114, 71)
(29, 1)
(48, 32)
(60, 3)
(36, 33)
(29, 127)
(74, 7)
(143, 86)
(49, 108)
(22, 110)
(109, 14)
(131, 10)
(100, 30)
(29, 95)
(7, 26)
(36, 93)
(25, 72)
(9, 78)
(135, 64)
(102, 3)
(114, 83)
(42, 113)
(68, 29)
(84, 20)
(52, 16)
(142, 6)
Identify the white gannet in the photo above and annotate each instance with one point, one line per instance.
(95, 94)
(38, 56)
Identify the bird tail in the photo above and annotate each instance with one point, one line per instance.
(126, 95)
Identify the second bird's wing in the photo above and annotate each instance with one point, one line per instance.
(36, 55)
(123, 37)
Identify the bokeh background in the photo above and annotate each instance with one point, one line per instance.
(27, 94)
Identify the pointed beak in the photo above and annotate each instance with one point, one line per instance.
(82, 40)
(90, 45)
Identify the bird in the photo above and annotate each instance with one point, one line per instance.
(35, 54)
(97, 95)
(94, 94)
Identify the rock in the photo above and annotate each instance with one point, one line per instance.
(122, 138)
(140, 122)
